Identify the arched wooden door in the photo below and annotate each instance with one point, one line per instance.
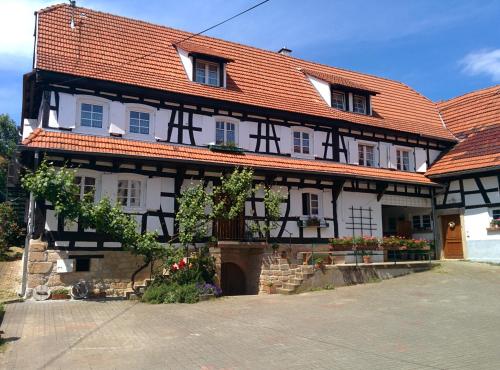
(233, 280)
(452, 237)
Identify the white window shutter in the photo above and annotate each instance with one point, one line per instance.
(117, 118)
(383, 154)
(285, 135)
(392, 157)
(153, 193)
(353, 152)
(109, 186)
(161, 123)
(421, 160)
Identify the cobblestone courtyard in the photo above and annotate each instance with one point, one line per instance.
(448, 318)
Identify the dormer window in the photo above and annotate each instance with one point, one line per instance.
(359, 104)
(338, 100)
(207, 73)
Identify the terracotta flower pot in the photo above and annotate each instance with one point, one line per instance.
(58, 296)
(367, 259)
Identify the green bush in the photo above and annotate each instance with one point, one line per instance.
(167, 292)
(11, 234)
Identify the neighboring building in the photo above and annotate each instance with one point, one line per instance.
(471, 175)
(142, 114)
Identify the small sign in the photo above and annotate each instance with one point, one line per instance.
(64, 265)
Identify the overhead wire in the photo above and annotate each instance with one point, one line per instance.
(176, 43)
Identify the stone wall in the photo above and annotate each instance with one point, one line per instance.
(110, 274)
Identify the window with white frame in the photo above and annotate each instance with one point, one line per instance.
(139, 122)
(87, 186)
(91, 115)
(129, 193)
(403, 160)
(338, 100)
(310, 205)
(225, 133)
(207, 73)
(301, 142)
(366, 155)
(421, 222)
(359, 104)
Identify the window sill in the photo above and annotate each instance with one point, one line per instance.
(305, 224)
(493, 229)
(224, 148)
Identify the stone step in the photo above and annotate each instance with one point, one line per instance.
(285, 291)
(296, 281)
(290, 286)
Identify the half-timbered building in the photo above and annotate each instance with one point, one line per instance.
(469, 204)
(143, 111)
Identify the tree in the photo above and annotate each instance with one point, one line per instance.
(8, 141)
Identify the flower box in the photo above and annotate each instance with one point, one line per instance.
(59, 296)
(225, 148)
(312, 222)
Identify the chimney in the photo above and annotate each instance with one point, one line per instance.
(284, 51)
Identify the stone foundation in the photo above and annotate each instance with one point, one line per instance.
(110, 274)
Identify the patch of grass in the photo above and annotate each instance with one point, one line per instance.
(440, 269)
(372, 280)
(12, 254)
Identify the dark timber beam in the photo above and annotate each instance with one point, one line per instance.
(381, 189)
(481, 190)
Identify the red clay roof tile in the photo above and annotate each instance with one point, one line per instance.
(475, 119)
(105, 46)
(44, 139)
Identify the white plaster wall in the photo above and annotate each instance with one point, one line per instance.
(323, 89)
(318, 140)
(433, 154)
(477, 220)
(349, 199)
(187, 62)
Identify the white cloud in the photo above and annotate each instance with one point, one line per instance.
(17, 24)
(483, 62)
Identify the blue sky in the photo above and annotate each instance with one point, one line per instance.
(440, 48)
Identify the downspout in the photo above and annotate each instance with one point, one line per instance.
(434, 223)
(29, 233)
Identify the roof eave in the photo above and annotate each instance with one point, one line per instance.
(320, 173)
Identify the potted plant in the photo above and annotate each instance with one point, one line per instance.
(61, 293)
(319, 262)
(341, 244)
(275, 248)
(367, 258)
(495, 223)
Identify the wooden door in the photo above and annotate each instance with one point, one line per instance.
(452, 237)
(233, 280)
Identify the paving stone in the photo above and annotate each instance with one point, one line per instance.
(441, 319)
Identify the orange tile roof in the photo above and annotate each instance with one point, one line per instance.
(105, 46)
(475, 119)
(55, 140)
(336, 80)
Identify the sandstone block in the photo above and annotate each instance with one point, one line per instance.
(35, 280)
(40, 267)
(38, 257)
(38, 246)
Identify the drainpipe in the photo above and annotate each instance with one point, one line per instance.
(434, 223)
(29, 232)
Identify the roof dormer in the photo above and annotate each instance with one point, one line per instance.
(341, 93)
(203, 64)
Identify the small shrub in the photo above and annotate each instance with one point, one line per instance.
(64, 291)
(171, 293)
(11, 234)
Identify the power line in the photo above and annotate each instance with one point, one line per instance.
(224, 21)
(185, 39)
